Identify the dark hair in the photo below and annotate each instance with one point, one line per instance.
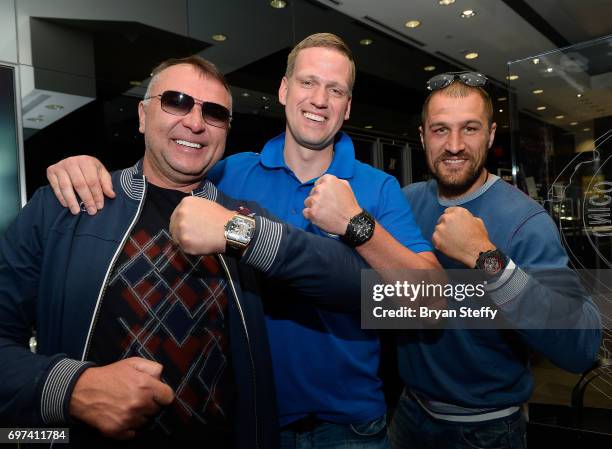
(458, 89)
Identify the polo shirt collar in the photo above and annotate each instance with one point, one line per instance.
(343, 162)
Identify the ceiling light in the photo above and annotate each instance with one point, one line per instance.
(135, 83)
(429, 68)
(471, 55)
(55, 107)
(366, 41)
(559, 117)
(586, 129)
(468, 13)
(501, 110)
(412, 24)
(446, 2)
(579, 95)
(36, 119)
(549, 70)
(573, 123)
(502, 99)
(246, 94)
(541, 108)
(512, 77)
(536, 60)
(278, 4)
(538, 91)
(219, 37)
(264, 98)
(505, 126)
(369, 126)
(267, 108)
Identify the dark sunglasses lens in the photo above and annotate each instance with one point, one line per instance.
(176, 103)
(473, 79)
(215, 114)
(439, 81)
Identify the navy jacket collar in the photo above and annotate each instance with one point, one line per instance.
(133, 184)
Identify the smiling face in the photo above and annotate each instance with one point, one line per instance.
(316, 98)
(179, 150)
(456, 138)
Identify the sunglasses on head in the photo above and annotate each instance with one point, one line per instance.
(472, 79)
(178, 103)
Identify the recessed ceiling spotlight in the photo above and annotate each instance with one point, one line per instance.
(501, 110)
(264, 98)
(429, 68)
(412, 24)
(471, 55)
(573, 123)
(579, 95)
(559, 117)
(366, 41)
(267, 108)
(468, 14)
(536, 60)
(278, 4)
(55, 107)
(36, 119)
(549, 69)
(538, 91)
(246, 94)
(502, 99)
(135, 83)
(541, 108)
(586, 129)
(446, 2)
(369, 126)
(219, 37)
(512, 77)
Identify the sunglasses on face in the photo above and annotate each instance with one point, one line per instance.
(443, 80)
(178, 103)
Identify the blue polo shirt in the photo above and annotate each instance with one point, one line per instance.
(325, 365)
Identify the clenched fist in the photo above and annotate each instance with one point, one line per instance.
(461, 236)
(121, 397)
(331, 204)
(197, 225)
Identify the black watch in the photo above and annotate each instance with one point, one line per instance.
(492, 263)
(359, 230)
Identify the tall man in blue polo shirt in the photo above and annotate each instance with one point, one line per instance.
(325, 365)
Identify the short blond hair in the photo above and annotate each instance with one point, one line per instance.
(322, 40)
(457, 89)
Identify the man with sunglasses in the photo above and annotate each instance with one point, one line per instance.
(326, 379)
(464, 388)
(135, 338)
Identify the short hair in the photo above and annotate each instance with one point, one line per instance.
(457, 89)
(322, 40)
(203, 66)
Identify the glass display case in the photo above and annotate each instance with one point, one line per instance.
(561, 139)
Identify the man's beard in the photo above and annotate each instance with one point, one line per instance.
(454, 187)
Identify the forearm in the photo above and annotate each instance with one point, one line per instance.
(318, 268)
(552, 312)
(383, 253)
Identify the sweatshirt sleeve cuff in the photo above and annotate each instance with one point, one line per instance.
(265, 244)
(508, 286)
(57, 390)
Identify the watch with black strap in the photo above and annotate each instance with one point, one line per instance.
(359, 230)
(492, 262)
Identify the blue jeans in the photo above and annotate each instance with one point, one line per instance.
(325, 435)
(413, 428)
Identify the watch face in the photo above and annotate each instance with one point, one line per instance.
(492, 264)
(239, 230)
